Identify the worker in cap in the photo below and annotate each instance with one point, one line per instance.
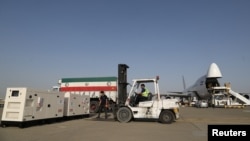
(103, 104)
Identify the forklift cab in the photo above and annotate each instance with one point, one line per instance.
(150, 84)
(163, 110)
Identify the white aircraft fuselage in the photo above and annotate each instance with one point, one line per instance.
(200, 87)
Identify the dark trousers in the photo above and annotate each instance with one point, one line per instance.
(139, 98)
(102, 108)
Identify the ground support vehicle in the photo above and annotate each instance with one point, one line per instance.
(201, 104)
(224, 96)
(162, 109)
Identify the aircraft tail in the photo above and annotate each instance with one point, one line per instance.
(184, 83)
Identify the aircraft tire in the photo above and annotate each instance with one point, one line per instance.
(166, 117)
(124, 114)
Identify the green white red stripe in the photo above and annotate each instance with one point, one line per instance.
(89, 84)
(88, 79)
(89, 88)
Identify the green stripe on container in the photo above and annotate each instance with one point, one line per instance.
(89, 79)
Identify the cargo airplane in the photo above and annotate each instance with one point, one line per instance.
(207, 84)
(200, 88)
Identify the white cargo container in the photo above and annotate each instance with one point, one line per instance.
(90, 86)
(76, 105)
(24, 105)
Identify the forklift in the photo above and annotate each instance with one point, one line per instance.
(156, 107)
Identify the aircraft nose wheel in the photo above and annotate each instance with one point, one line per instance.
(124, 114)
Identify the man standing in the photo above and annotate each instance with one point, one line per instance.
(103, 104)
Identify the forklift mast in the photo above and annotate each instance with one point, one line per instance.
(122, 83)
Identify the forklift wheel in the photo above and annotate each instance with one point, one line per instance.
(166, 117)
(124, 114)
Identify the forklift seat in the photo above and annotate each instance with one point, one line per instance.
(150, 95)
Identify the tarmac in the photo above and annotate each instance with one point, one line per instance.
(191, 126)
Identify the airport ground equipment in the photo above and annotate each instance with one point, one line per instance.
(224, 96)
(156, 107)
(76, 105)
(24, 106)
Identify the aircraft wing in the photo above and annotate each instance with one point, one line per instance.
(188, 93)
(175, 92)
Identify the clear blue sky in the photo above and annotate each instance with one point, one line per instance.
(42, 41)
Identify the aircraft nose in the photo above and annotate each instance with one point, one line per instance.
(213, 71)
